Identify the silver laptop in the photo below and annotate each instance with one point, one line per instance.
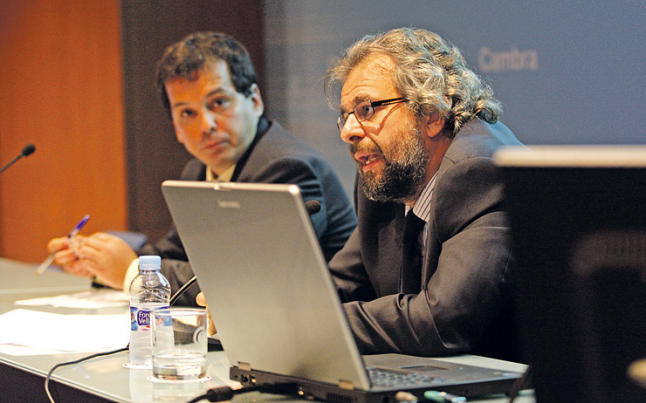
(274, 303)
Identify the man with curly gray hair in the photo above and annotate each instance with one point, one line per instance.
(426, 272)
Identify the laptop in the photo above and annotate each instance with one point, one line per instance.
(275, 306)
(578, 223)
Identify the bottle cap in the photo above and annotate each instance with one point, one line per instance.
(149, 262)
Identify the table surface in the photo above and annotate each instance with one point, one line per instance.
(106, 376)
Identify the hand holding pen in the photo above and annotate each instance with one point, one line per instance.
(71, 239)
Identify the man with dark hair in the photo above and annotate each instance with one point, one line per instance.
(426, 272)
(208, 85)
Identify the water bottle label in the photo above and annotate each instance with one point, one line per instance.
(133, 318)
(140, 318)
(143, 319)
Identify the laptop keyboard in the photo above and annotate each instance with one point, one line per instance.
(390, 378)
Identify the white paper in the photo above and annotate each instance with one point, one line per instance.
(93, 299)
(22, 330)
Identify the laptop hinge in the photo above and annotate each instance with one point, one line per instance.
(245, 366)
(347, 385)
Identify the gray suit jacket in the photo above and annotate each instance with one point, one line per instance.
(275, 156)
(464, 298)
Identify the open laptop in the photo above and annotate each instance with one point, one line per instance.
(578, 221)
(275, 306)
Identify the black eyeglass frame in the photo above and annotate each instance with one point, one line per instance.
(343, 117)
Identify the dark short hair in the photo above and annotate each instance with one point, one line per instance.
(184, 59)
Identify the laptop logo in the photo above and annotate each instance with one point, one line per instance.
(228, 204)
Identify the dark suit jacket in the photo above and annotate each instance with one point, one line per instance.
(275, 156)
(463, 303)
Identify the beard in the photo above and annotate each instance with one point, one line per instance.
(403, 173)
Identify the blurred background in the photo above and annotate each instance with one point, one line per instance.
(76, 80)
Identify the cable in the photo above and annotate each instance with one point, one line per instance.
(519, 385)
(61, 364)
(51, 371)
(226, 393)
(181, 290)
(215, 395)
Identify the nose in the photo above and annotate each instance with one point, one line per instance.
(352, 131)
(208, 123)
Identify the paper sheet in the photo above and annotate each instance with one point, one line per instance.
(92, 299)
(24, 332)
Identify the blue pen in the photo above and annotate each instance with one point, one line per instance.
(43, 266)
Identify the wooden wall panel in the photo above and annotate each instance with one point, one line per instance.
(61, 89)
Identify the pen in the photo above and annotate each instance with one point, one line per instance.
(443, 397)
(43, 266)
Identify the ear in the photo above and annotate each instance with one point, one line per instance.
(433, 125)
(256, 99)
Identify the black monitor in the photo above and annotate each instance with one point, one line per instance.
(578, 219)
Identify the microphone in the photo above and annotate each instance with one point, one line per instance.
(312, 206)
(26, 151)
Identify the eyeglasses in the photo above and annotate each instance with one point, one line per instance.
(365, 110)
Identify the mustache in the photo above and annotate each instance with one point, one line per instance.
(374, 148)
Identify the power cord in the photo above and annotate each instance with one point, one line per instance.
(62, 364)
(226, 393)
(181, 290)
(89, 357)
(519, 384)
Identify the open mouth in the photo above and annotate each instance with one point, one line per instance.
(367, 161)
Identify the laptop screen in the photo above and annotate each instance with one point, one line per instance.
(259, 264)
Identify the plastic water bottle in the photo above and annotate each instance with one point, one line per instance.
(149, 290)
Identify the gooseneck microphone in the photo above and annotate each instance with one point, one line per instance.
(312, 206)
(26, 151)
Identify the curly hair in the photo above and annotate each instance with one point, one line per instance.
(430, 73)
(185, 58)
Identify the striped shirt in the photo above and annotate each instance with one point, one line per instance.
(422, 207)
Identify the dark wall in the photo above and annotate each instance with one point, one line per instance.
(566, 72)
(153, 153)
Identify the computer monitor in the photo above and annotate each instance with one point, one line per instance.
(578, 220)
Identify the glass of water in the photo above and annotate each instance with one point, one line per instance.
(179, 343)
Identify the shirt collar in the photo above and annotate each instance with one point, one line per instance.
(422, 206)
(224, 177)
